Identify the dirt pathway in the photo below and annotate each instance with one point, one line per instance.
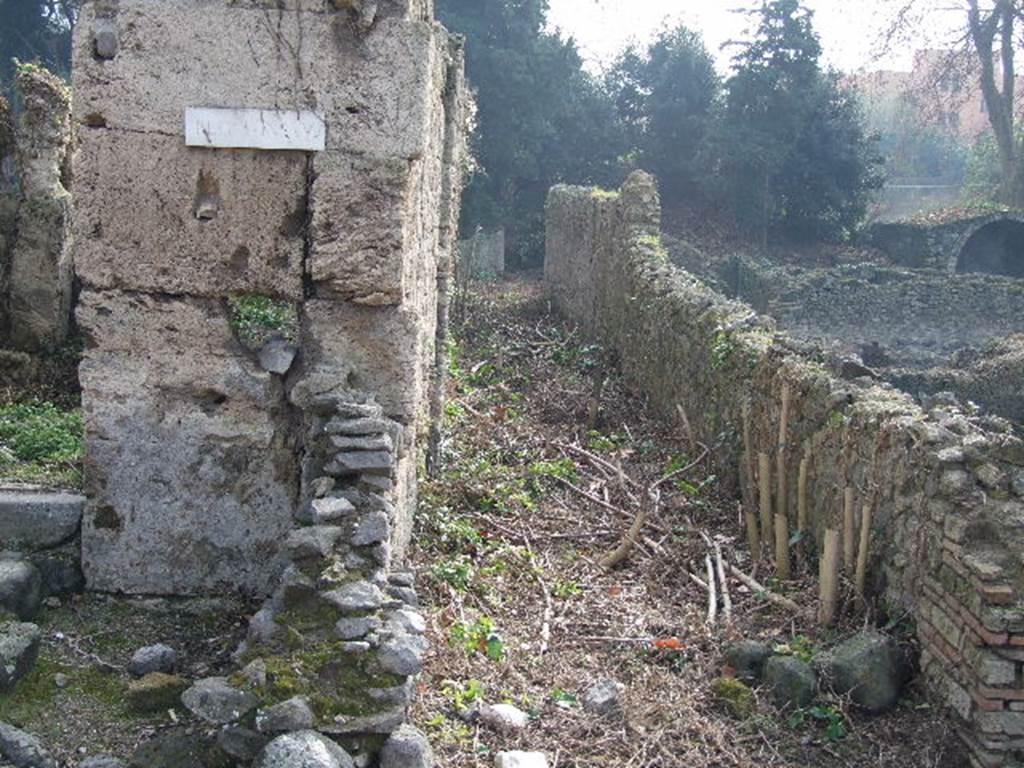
(508, 552)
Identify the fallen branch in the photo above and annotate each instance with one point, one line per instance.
(622, 551)
(785, 602)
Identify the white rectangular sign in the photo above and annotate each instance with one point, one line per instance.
(302, 130)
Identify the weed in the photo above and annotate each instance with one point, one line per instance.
(462, 695)
(457, 572)
(722, 350)
(564, 589)
(40, 442)
(830, 717)
(479, 636)
(257, 318)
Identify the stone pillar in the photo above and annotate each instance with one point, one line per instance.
(239, 294)
(41, 272)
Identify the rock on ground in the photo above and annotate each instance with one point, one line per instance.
(180, 750)
(503, 717)
(870, 668)
(21, 588)
(102, 761)
(153, 658)
(520, 760)
(292, 715)
(155, 692)
(19, 650)
(604, 697)
(217, 702)
(23, 750)
(304, 749)
(407, 748)
(747, 658)
(243, 744)
(791, 681)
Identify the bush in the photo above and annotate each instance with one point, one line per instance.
(40, 432)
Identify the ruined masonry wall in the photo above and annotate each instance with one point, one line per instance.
(205, 450)
(946, 489)
(36, 271)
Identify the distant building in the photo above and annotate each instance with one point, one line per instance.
(943, 86)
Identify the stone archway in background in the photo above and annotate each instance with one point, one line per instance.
(996, 248)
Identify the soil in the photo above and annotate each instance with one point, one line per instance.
(520, 610)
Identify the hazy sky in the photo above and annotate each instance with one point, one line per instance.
(849, 29)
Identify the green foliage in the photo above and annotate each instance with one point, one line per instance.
(790, 150)
(457, 572)
(736, 697)
(36, 30)
(564, 468)
(984, 172)
(540, 119)
(914, 148)
(41, 443)
(830, 717)
(665, 95)
(480, 636)
(566, 588)
(256, 318)
(463, 695)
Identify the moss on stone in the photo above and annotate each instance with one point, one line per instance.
(735, 696)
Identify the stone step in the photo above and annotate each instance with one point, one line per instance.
(36, 520)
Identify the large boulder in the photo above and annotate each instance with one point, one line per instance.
(23, 750)
(19, 650)
(407, 748)
(303, 749)
(21, 588)
(791, 682)
(870, 667)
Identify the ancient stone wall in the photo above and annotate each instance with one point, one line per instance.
(934, 242)
(947, 489)
(237, 300)
(36, 271)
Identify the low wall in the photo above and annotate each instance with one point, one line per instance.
(946, 488)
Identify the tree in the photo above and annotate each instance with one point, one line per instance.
(540, 120)
(665, 97)
(989, 37)
(36, 30)
(790, 148)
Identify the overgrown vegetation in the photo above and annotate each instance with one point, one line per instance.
(41, 443)
(257, 318)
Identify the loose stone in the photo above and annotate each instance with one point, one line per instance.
(402, 655)
(747, 658)
(102, 761)
(405, 620)
(604, 697)
(153, 658)
(156, 692)
(353, 628)
(330, 509)
(791, 681)
(19, 650)
(216, 702)
(870, 668)
(277, 356)
(243, 744)
(503, 717)
(520, 760)
(23, 749)
(316, 542)
(407, 748)
(291, 715)
(359, 426)
(360, 463)
(21, 588)
(304, 749)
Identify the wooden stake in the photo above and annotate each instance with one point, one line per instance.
(862, 555)
(828, 577)
(765, 481)
(782, 492)
(801, 496)
(712, 597)
(849, 531)
(782, 547)
(720, 570)
(753, 543)
(748, 458)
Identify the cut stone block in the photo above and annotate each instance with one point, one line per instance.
(190, 469)
(31, 521)
(215, 221)
(19, 650)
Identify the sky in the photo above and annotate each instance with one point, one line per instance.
(850, 29)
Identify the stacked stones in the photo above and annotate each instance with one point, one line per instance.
(339, 642)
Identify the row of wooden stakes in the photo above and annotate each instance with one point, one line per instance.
(772, 531)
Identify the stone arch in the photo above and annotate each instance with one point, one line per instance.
(994, 246)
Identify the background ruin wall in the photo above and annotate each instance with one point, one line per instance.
(204, 451)
(946, 488)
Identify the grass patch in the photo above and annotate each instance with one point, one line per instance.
(41, 443)
(256, 319)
